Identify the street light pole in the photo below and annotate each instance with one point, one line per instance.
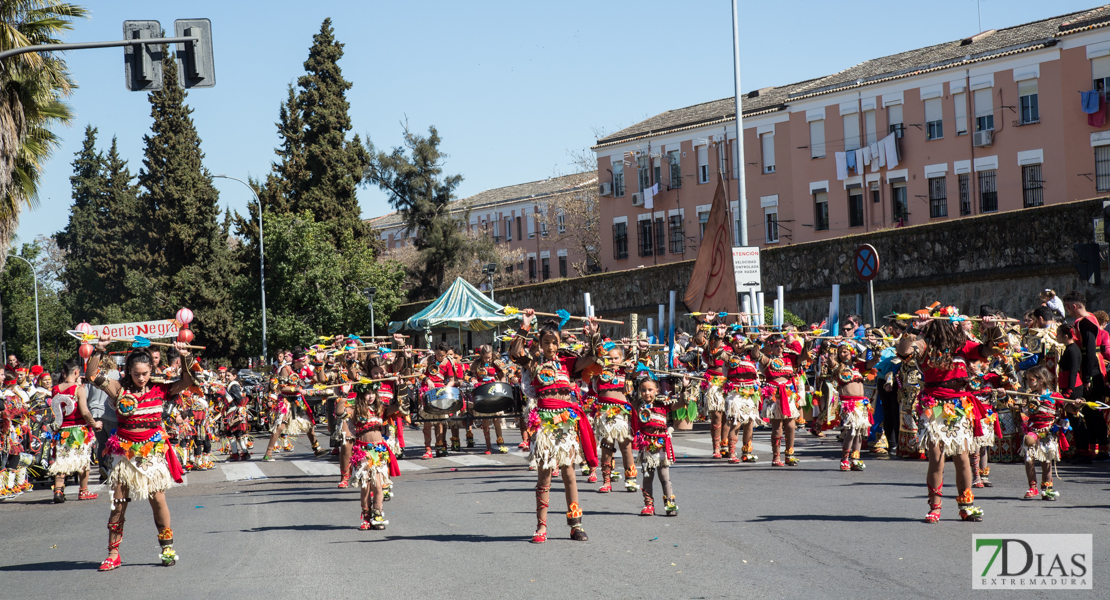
(370, 296)
(261, 263)
(38, 344)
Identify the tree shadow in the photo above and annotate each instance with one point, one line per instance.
(58, 565)
(448, 538)
(834, 518)
(303, 527)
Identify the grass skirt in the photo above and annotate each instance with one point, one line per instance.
(144, 477)
(943, 424)
(611, 426)
(714, 399)
(742, 405)
(371, 465)
(73, 450)
(555, 443)
(654, 454)
(855, 422)
(1047, 448)
(771, 405)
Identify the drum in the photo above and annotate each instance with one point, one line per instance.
(493, 398)
(442, 401)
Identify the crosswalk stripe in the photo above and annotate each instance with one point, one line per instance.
(316, 468)
(242, 470)
(468, 460)
(679, 450)
(96, 489)
(408, 465)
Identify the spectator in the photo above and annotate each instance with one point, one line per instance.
(103, 411)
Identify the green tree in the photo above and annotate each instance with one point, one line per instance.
(412, 177)
(190, 261)
(333, 165)
(17, 292)
(32, 87)
(313, 288)
(83, 239)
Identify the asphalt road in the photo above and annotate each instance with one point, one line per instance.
(459, 528)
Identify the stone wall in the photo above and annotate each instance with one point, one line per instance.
(1001, 259)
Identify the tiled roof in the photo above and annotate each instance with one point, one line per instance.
(986, 45)
(537, 190)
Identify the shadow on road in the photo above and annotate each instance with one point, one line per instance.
(58, 565)
(841, 518)
(449, 538)
(305, 527)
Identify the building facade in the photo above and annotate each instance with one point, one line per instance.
(540, 220)
(995, 122)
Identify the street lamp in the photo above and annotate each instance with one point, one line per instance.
(489, 270)
(370, 295)
(261, 261)
(34, 272)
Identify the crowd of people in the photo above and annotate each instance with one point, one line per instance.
(934, 385)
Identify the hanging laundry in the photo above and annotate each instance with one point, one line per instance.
(1098, 118)
(866, 154)
(876, 157)
(890, 143)
(1089, 101)
(841, 166)
(860, 162)
(850, 158)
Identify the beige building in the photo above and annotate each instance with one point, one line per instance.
(540, 218)
(993, 122)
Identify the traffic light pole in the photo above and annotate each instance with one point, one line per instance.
(89, 45)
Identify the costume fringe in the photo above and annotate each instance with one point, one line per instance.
(714, 399)
(71, 459)
(298, 426)
(553, 449)
(855, 422)
(1047, 449)
(954, 439)
(987, 439)
(141, 484)
(742, 407)
(372, 466)
(612, 430)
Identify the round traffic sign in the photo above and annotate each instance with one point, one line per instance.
(866, 262)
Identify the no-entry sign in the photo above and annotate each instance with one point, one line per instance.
(866, 262)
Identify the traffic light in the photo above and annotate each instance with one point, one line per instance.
(142, 67)
(198, 69)
(1089, 263)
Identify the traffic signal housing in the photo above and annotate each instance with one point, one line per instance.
(198, 69)
(142, 63)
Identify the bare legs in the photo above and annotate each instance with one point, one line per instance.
(570, 488)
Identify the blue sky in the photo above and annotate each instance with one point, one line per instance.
(512, 87)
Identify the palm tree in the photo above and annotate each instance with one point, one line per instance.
(32, 89)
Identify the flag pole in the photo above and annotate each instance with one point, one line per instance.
(742, 196)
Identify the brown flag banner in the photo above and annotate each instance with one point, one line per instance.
(712, 286)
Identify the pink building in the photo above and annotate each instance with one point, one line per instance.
(994, 122)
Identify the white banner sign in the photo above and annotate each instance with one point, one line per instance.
(745, 264)
(147, 329)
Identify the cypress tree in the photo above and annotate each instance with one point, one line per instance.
(190, 262)
(82, 239)
(333, 165)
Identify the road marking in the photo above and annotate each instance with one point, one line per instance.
(96, 489)
(679, 450)
(408, 465)
(242, 470)
(467, 460)
(316, 468)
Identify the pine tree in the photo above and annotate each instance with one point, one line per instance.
(277, 194)
(418, 189)
(190, 263)
(82, 239)
(333, 165)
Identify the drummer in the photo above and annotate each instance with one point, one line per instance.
(439, 371)
(485, 369)
(463, 420)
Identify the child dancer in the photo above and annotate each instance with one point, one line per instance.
(1042, 442)
(653, 439)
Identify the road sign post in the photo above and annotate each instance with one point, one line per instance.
(866, 265)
